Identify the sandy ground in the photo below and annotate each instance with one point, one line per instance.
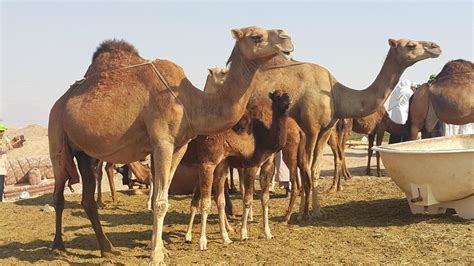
(367, 222)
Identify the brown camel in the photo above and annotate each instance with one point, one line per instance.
(248, 143)
(449, 98)
(320, 100)
(293, 156)
(127, 107)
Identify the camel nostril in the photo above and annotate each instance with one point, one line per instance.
(434, 45)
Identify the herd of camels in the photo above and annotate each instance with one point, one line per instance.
(127, 107)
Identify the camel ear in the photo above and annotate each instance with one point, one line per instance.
(237, 34)
(393, 43)
(210, 72)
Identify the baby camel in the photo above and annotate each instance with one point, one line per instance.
(247, 144)
(292, 156)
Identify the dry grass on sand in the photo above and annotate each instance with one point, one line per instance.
(367, 222)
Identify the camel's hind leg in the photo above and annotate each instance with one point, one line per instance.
(193, 210)
(109, 169)
(219, 187)
(336, 181)
(290, 159)
(99, 175)
(370, 152)
(58, 198)
(85, 164)
(377, 154)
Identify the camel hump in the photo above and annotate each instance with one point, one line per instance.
(114, 46)
(456, 66)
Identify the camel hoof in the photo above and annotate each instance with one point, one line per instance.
(340, 189)
(320, 214)
(268, 236)
(188, 239)
(227, 242)
(203, 244)
(110, 254)
(332, 189)
(244, 236)
(59, 252)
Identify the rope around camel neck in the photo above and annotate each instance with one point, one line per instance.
(163, 80)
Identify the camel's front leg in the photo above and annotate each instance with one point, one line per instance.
(206, 177)
(377, 154)
(266, 174)
(248, 179)
(316, 169)
(162, 162)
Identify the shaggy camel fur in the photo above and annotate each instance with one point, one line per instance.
(293, 156)
(450, 96)
(127, 107)
(320, 100)
(249, 143)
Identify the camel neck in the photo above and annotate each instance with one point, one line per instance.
(225, 107)
(350, 103)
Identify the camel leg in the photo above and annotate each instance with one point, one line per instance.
(370, 152)
(58, 198)
(219, 187)
(342, 149)
(242, 174)
(248, 178)
(295, 188)
(305, 193)
(85, 164)
(266, 174)
(337, 177)
(162, 161)
(98, 173)
(377, 154)
(233, 188)
(206, 177)
(109, 169)
(193, 210)
(316, 169)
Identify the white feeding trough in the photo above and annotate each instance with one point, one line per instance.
(435, 174)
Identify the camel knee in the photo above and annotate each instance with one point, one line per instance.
(160, 207)
(206, 205)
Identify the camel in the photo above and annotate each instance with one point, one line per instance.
(448, 98)
(127, 107)
(293, 156)
(320, 100)
(248, 143)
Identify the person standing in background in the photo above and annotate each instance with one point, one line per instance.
(397, 106)
(5, 145)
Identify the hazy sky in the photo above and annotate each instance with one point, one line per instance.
(46, 46)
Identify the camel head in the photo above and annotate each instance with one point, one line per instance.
(280, 101)
(407, 52)
(255, 42)
(216, 77)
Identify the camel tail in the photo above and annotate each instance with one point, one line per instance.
(68, 166)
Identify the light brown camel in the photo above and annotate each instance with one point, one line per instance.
(248, 143)
(320, 100)
(450, 96)
(293, 156)
(127, 107)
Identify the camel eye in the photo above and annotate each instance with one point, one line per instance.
(411, 45)
(257, 38)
